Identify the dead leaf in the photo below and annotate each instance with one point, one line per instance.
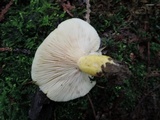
(132, 56)
(67, 7)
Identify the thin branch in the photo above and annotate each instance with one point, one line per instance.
(5, 49)
(146, 28)
(91, 103)
(4, 11)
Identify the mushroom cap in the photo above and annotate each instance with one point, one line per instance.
(55, 69)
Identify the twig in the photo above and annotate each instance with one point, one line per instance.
(146, 28)
(17, 50)
(4, 11)
(88, 11)
(152, 5)
(5, 49)
(54, 116)
(100, 87)
(91, 103)
(153, 74)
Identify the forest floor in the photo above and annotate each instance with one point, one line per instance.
(130, 32)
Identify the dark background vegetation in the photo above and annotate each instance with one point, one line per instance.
(130, 30)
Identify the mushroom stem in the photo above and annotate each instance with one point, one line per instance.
(92, 64)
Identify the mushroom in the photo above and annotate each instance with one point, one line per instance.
(66, 61)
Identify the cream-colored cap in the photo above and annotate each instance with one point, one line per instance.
(55, 68)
